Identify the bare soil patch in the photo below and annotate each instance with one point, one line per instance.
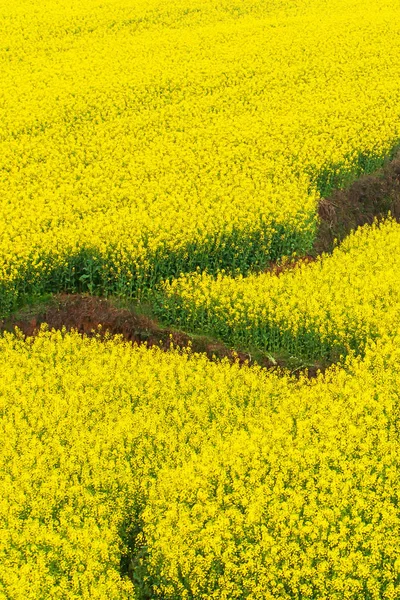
(368, 198)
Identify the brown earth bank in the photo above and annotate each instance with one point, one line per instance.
(370, 197)
(90, 316)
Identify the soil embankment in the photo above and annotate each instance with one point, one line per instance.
(369, 197)
(92, 316)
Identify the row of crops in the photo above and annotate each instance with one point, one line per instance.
(173, 149)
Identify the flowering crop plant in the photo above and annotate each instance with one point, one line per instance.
(170, 151)
(142, 139)
(322, 309)
(133, 473)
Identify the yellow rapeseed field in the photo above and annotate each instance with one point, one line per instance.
(319, 309)
(189, 143)
(140, 139)
(132, 473)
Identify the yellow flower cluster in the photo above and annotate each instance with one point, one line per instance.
(320, 309)
(142, 139)
(132, 473)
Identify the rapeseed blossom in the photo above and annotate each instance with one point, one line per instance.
(133, 473)
(324, 309)
(141, 140)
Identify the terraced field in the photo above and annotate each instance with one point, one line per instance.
(321, 309)
(139, 141)
(208, 180)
